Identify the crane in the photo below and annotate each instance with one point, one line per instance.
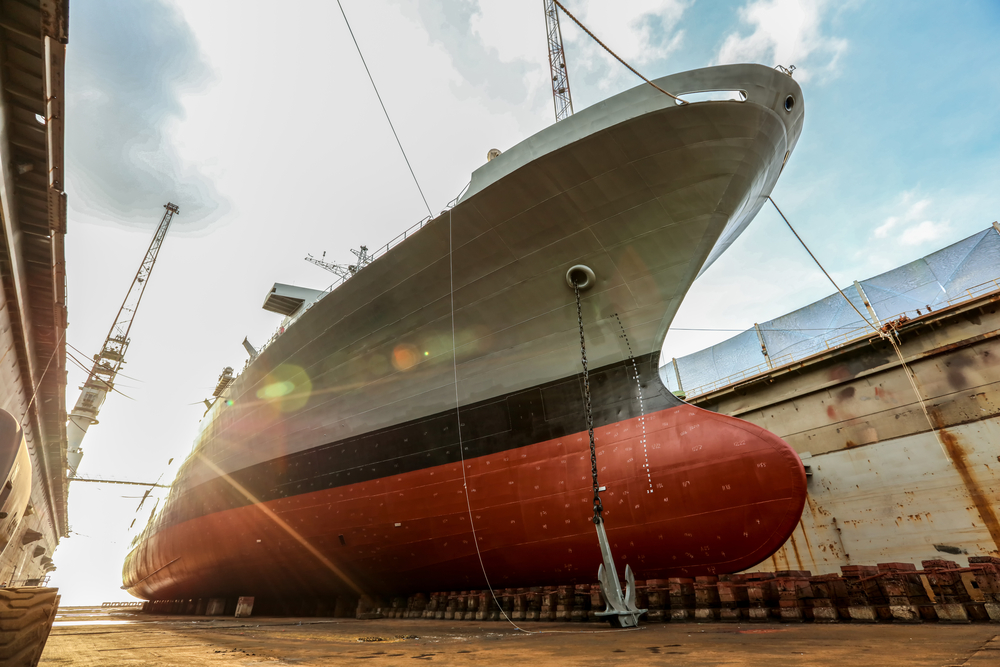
(345, 271)
(109, 361)
(561, 97)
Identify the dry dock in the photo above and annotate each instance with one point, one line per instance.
(85, 636)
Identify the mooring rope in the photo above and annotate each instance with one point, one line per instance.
(613, 54)
(885, 335)
(391, 127)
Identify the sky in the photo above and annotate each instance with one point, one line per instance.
(262, 126)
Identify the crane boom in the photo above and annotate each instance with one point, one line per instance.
(561, 97)
(345, 271)
(112, 355)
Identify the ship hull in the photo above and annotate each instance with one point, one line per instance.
(346, 454)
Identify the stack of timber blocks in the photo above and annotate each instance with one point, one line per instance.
(942, 591)
(987, 574)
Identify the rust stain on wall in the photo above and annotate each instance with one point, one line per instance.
(956, 453)
(805, 538)
(795, 548)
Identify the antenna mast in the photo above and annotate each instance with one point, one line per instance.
(561, 98)
(112, 356)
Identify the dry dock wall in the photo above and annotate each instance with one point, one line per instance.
(884, 484)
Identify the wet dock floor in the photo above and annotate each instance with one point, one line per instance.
(95, 636)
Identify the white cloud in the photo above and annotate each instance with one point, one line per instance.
(913, 226)
(637, 31)
(640, 32)
(928, 230)
(785, 32)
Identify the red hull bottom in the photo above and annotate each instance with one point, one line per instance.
(689, 492)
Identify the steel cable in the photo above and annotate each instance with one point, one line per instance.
(382, 104)
(885, 335)
(613, 54)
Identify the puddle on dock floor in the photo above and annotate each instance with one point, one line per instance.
(116, 637)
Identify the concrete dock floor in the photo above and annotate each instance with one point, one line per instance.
(85, 636)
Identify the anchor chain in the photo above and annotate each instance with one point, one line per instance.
(621, 611)
(598, 506)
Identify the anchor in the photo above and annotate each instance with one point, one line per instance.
(621, 611)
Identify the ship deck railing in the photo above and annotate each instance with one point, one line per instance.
(852, 335)
(399, 238)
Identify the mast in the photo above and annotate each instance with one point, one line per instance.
(561, 98)
(345, 271)
(112, 356)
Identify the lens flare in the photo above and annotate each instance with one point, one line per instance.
(404, 356)
(287, 388)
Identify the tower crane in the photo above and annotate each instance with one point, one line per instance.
(110, 359)
(561, 97)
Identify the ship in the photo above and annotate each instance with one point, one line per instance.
(423, 426)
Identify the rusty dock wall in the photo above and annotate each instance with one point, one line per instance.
(884, 485)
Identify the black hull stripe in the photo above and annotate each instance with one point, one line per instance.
(526, 417)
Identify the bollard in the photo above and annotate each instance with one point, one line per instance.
(762, 595)
(794, 595)
(706, 598)
(658, 601)
(681, 598)
(948, 589)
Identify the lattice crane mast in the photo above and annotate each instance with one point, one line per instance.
(345, 271)
(561, 98)
(109, 361)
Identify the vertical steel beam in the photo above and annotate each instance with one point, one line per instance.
(763, 346)
(868, 305)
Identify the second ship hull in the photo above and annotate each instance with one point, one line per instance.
(422, 426)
